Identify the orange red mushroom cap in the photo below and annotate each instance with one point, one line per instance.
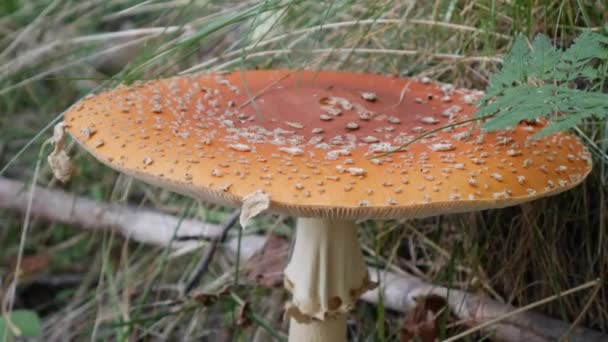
(307, 139)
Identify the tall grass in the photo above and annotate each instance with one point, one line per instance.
(54, 52)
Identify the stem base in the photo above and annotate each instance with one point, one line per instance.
(332, 329)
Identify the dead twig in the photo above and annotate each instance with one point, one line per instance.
(203, 264)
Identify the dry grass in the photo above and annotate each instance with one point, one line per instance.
(54, 52)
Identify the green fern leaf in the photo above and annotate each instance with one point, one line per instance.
(538, 82)
(513, 71)
(562, 125)
(544, 58)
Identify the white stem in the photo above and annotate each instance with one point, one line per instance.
(332, 329)
(326, 275)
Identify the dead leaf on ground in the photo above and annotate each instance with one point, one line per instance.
(421, 324)
(207, 299)
(266, 266)
(244, 311)
(31, 264)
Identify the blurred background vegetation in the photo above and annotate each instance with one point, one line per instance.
(97, 285)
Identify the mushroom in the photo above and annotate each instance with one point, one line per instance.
(208, 134)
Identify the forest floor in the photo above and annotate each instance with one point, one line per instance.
(80, 282)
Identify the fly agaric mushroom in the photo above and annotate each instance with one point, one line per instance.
(306, 139)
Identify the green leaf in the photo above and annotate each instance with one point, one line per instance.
(525, 102)
(538, 82)
(587, 46)
(590, 73)
(517, 60)
(544, 57)
(513, 68)
(562, 125)
(26, 321)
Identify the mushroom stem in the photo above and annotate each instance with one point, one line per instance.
(331, 329)
(326, 275)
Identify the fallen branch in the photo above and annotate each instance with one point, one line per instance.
(143, 225)
(399, 292)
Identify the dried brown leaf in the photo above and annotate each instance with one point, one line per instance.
(208, 299)
(267, 265)
(421, 324)
(244, 311)
(32, 264)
